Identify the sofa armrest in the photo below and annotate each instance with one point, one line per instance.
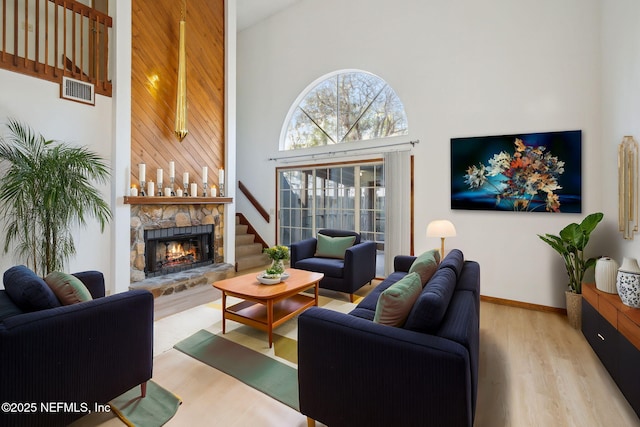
(352, 371)
(403, 262)
(94, 281)
(360, 262)
(87, 352)
(303, 249)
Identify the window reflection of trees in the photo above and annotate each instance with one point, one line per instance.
(347, 107)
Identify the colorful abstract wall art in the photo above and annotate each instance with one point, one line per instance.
(534, 172)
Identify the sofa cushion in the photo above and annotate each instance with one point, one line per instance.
(331, 267)
(7, 307)
(396, 301)
(371, 300)
(333, 247)
(431, 306)
(28, 291)
(454, 260)
(426, 265)
(67, 288)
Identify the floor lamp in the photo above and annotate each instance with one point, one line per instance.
(441, 228)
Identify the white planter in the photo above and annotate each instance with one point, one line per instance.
(606, 272)
(628, 282)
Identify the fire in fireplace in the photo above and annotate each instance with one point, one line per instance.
(170, 250)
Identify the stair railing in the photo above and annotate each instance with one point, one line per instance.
(254, 202)
(50, 39)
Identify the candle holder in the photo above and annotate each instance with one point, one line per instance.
(204, 189)
(221, 188)
(186, 191)
(160, 188)
(142, 187)
(172, 180)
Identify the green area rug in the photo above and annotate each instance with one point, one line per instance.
(261, 372)
(154, 410)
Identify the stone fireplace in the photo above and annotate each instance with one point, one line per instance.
(168, 238)
(175, 249)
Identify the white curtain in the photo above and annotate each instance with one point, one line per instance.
(397, 235)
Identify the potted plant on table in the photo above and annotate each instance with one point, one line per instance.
(277, 254)
(47, 188)
(570, 244)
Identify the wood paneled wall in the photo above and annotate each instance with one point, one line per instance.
(155, 36)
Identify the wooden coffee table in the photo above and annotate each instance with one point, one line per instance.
(267, 306)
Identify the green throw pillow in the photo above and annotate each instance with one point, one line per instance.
(395, 302)
(426, 265)
(333, 247)
(67, 288)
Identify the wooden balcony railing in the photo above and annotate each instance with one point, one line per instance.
(50, 39)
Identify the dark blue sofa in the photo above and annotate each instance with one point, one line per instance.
(354, 372)
(80, 354)
(343, 275)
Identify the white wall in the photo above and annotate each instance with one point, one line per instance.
(37, 103)
(620, 107)
(461, 68)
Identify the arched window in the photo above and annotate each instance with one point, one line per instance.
(346, 106)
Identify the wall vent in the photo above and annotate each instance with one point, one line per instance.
(77, 90)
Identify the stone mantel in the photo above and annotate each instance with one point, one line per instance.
(160, 200)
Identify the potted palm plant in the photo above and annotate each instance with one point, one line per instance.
(46, 189)
(570, 244)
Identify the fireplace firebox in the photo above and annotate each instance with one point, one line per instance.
(171, 250)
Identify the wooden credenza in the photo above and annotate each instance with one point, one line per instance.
(613, 331)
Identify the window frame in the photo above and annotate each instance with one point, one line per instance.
(309, 89)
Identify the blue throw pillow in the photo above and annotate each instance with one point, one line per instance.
(28, 291)
(432, 304)
(7, 307)
(454, 260)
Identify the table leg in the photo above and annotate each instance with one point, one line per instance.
(270, 320)
(224, 310)
(317, 287)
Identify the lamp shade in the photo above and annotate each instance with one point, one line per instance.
(441, 228)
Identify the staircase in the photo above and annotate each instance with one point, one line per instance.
(248, 248)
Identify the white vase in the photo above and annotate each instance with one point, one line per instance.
(606, 272)
(628, 282)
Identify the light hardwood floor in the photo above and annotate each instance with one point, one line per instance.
(535, 370)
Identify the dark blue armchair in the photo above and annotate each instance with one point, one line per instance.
(343, 275)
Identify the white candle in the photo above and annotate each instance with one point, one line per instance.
(185, 178)
(221, 176)
(194, 189)
(172, 169)
(205, 172)
(214, 191)
(151, 188)
(142, 170)
(167, 192)
(133, 191)
(179, 192)
(159, 176)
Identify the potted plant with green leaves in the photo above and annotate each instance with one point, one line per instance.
(570, 244)
(46, 189)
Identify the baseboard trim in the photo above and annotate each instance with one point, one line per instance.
(520, 304)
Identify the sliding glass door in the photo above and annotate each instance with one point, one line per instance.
(345, 196)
